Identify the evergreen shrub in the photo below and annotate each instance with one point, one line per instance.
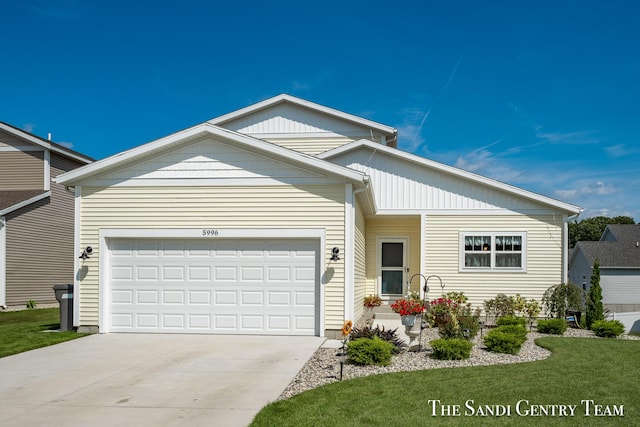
(451, 349)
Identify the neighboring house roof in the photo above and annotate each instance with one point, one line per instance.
(257, 146)
(459, 173)
(14, 200)
(623, 252)
(49, 145)
(317, 108)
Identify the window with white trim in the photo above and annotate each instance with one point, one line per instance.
(492, 251)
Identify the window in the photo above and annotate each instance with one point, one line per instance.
(492, 251)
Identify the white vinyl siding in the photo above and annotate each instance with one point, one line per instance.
(402, 185)
(360, 276)
(305, 207)
(543, 255)
(208, 161)
(310, 146)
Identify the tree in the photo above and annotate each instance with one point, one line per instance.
(594, 297)
(590, 229)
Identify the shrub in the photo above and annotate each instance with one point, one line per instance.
(389, 335)
(454, 323)
(499, 341)
(451, 349)
(511, 320)
(607, 328)
(370, 351)
(501, 305)
(559, 299)
(552, 326)
(515, 330)
(595, 310)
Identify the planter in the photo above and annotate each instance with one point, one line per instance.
(441, 319)
(413, 331)
(409, 320)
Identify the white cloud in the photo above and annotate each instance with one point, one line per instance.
(598, 188)
(68, 145)
(29, 127)
(573, 138)
(619, 150)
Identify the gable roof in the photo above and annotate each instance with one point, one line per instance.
(308, 105)
(453, 171)
(46, 144)
(623, 252)
(206, 129)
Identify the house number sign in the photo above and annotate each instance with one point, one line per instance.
(210, 232)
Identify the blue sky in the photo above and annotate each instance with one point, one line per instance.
(542, 95)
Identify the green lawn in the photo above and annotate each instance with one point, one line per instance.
(23, 330)
(605, 371)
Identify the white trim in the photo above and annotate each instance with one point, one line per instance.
(459, 173)
(25, 203)
(565, 250)
(349, 253)
(44, 144)
(208, 130)
(284, 98)
(47, 170)
(3, 261)
(492, 252)
(77, 204)
(405, 261)
(423, 250)
(463, 212)
(189, 233)
(218, 182)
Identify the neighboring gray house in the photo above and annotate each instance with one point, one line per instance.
(618, 253)
(36, 217)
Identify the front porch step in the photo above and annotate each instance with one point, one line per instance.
(386, 316)
(385, 312)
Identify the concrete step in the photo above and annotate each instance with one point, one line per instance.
(390, 315)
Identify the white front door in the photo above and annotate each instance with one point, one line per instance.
(392, 267)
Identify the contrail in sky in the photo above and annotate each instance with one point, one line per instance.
(453, 73)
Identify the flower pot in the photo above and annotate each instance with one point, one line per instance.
(413, 331)
(408, 320)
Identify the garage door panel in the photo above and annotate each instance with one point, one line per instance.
(214, 286)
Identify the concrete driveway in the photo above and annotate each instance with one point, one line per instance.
(149, 380)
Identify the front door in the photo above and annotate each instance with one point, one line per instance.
(392, 267)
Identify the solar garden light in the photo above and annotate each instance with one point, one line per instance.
(342, 358)
(466, 332)
(481, 323)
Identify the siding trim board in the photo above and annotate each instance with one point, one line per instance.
(3, 262)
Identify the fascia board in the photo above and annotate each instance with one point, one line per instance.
(44, 143)
(452, 171)
(204, 129)
(303, 103)
(25, 203)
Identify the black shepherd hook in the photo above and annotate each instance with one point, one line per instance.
(424, 299)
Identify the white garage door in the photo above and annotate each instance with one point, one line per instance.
(214, 286)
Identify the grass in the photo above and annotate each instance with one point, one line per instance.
(603, 370)
(23, 330)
